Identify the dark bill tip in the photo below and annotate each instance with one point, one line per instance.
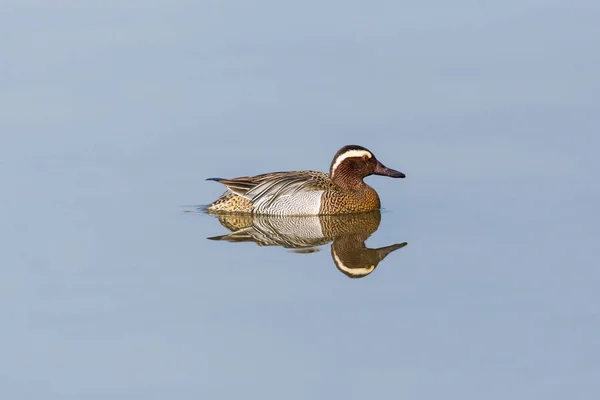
(381, 169)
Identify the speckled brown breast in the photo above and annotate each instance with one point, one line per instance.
(342, 202)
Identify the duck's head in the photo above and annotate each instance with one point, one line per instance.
(352, 163)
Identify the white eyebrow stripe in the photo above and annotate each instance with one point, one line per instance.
(349, 154)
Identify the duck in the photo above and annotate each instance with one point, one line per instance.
(341, 191)
(347, 234)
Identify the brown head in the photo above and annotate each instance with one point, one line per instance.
(352, 163)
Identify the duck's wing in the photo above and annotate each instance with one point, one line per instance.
(269, 187)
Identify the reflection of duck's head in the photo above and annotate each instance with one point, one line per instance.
(348, 233)
(358, 262)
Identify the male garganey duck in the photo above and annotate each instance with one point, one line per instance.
(342, 191)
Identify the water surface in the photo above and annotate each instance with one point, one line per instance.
(113, 114)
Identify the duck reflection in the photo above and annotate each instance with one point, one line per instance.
(304, 234)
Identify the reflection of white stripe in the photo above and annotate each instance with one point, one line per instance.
(352, 271)
(348, 154)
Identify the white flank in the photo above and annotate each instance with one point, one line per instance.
(301, 203)
(349, 154)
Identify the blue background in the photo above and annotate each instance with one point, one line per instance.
(112, 114)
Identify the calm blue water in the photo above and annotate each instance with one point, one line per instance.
(113, 114)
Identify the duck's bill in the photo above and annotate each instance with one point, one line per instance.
(381, 169)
